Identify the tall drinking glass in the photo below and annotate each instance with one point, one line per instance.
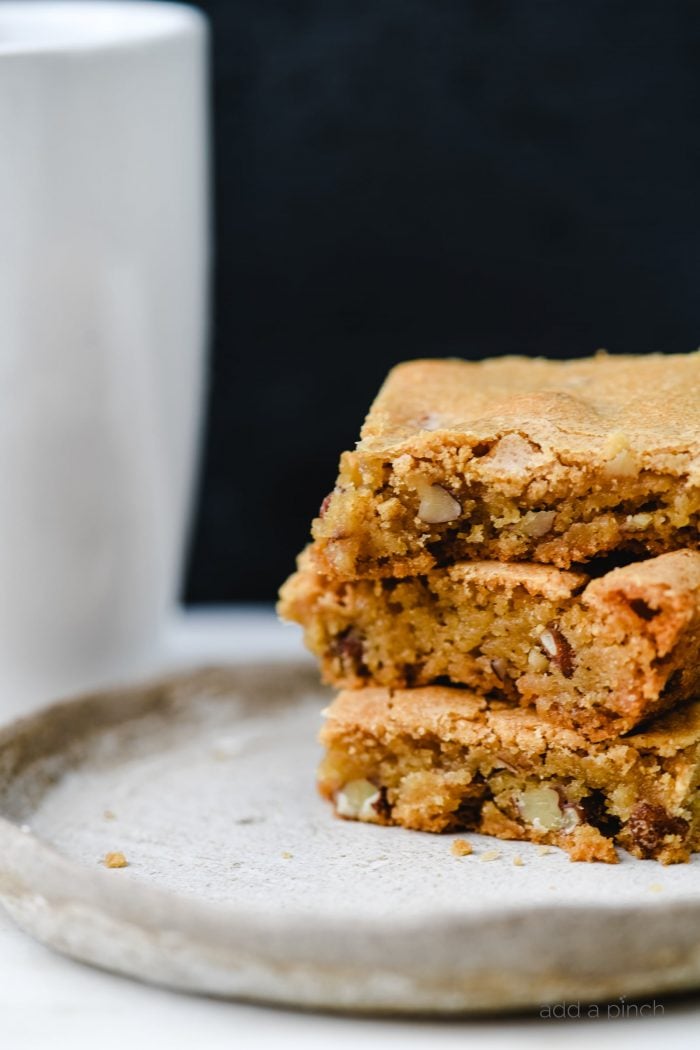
(103, 304)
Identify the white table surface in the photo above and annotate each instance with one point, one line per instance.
(49, 1001)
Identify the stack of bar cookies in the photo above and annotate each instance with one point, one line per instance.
(505, 585)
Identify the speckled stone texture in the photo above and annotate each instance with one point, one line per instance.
(240, 882)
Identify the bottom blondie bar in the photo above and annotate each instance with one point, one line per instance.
(441, 759)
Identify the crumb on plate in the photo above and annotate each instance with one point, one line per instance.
(115, 859)
(491, 854)
(462, 848)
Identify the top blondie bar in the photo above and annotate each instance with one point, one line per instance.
(518, 459)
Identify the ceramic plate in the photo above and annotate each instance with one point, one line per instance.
(241, 883)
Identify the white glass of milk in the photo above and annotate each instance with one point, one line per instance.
(103, 300)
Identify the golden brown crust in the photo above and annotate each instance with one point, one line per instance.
(464, 717)
(544, 581)
(665, 591)
(441, 758)
(563, 406)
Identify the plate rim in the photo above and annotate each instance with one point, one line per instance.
(35, 876)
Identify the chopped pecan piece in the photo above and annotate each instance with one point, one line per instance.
(324, 505)
(349, 647)
(558, 648)
(499, 668)
(649, 825)
(437, 505)
(381, 806)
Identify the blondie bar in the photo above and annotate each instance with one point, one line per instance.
(443, 759)
(518, 459)
(599, 656)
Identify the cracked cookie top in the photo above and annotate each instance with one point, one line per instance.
(515, 408)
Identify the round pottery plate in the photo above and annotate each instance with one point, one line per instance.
(240, 882)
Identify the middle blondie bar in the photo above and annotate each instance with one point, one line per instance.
(599, 656)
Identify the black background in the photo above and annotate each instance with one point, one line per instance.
(405, 179)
